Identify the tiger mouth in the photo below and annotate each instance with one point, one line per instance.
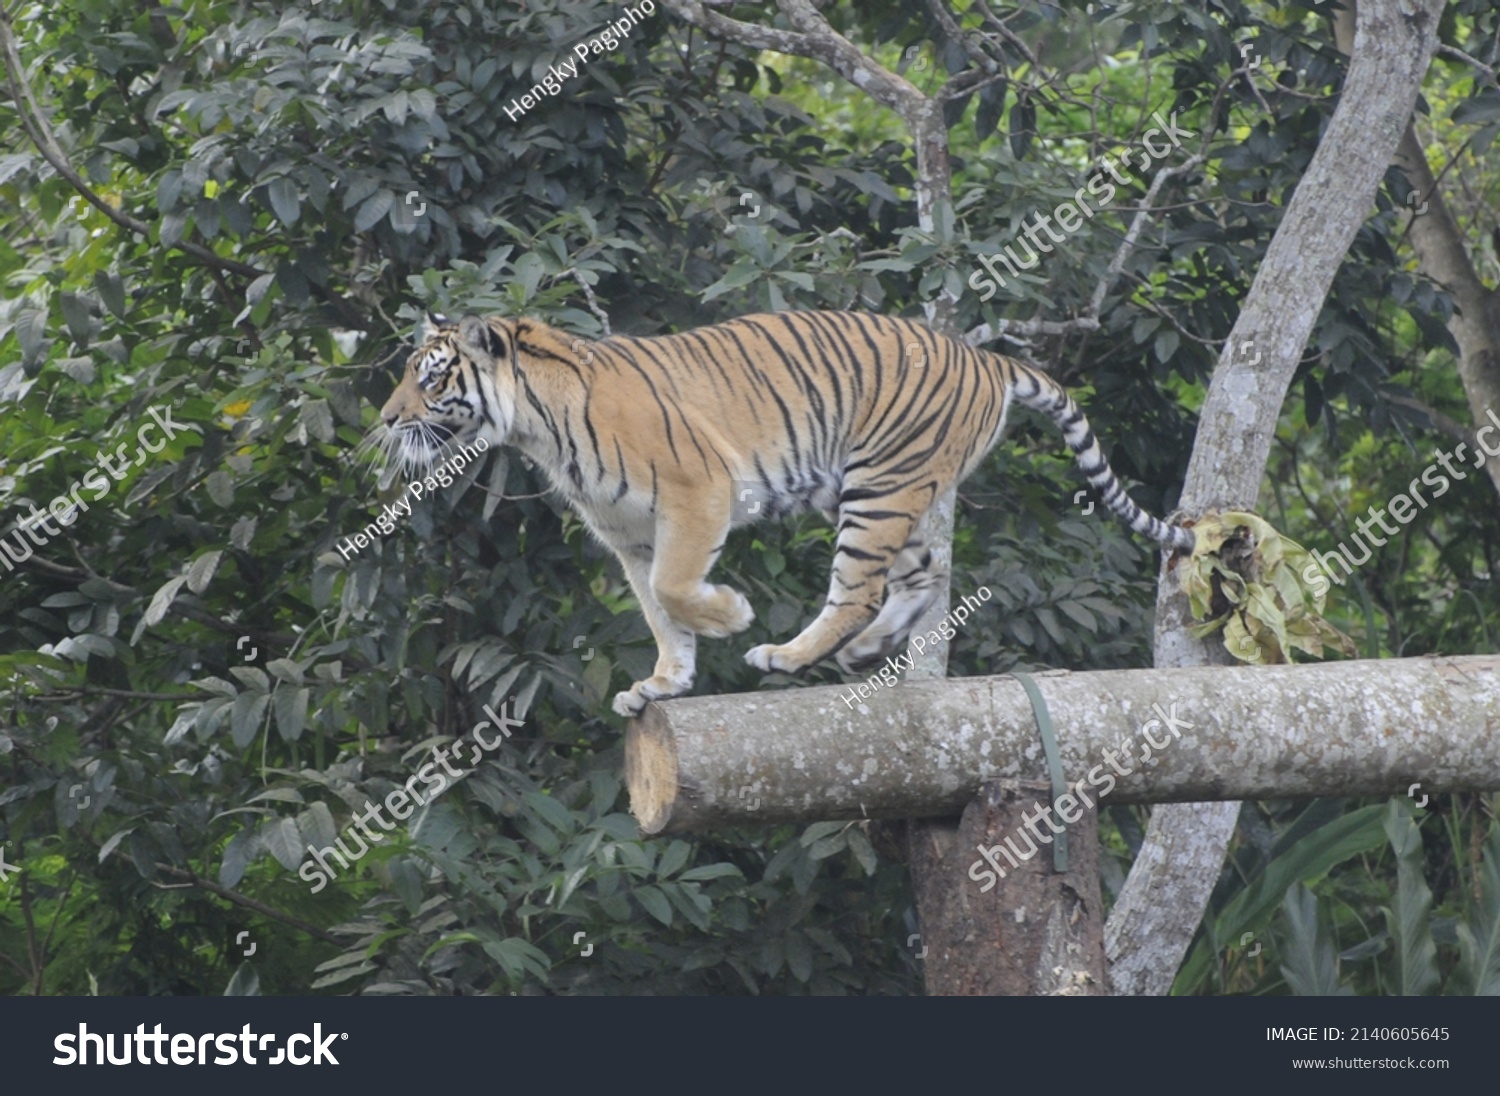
(413, 448)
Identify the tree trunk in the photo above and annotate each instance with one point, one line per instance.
(1162, 903)
(1034, 933)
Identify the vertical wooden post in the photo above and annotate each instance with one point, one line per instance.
(1036, 931)
(1032, 932)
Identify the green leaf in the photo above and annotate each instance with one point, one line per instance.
(518, 958)
(75, 310)
(284, 201)
(863, 851)
(202, 571)
(317, 826)
(291, 712)
(556, 814)
(655, 902)
(1079, 614)
(1414, 970)
(1167, 340)
(408, 881)
(1311, 961)
(218, 686)
(284, 669)
(167, 190)
(242, 849)
(818, 831)
(799, 956)
(284, 840)
(111, 289)
(709, 871)
(374, 208)
(162, 600)
(245, 983)
(1484, 107)
(742, 273)
(113, 843)
(249, 709)
(1479, 939)
(673, 859)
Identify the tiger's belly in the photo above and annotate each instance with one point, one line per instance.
(627, 520)
(775, 496)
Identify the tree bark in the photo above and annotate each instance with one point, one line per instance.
(1037, 933)
(1443, 257)
(928, 748)
(1162, 903)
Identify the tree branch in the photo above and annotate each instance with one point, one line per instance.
(1010, 36)
(1360, 727)
(1096, 302)
(1089, 321)
(194, 880)
(37, 128)
(814, 38)
(1454, 51)
(88, 690)
(1439, 421)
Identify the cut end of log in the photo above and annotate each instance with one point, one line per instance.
(651, 770)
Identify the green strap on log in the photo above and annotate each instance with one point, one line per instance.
(1054, 764)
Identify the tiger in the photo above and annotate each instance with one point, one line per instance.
(664, 444)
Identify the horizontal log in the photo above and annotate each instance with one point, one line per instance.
(925, 748)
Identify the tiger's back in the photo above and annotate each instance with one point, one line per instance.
(663, 444)
(784, 405)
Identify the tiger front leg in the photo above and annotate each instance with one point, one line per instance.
(689, 539)
(679, 604)
(676, 647)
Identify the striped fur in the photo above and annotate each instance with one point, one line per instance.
(663, 445)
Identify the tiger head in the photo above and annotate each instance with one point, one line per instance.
(458, 386)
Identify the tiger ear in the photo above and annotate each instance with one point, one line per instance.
(432, 323)
(478, 339)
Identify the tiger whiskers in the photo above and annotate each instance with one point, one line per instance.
(409, 452)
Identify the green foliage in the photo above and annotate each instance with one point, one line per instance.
(1325, 944)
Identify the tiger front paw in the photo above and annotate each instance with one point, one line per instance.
(722, 615)
(712, 611)
(634, 700)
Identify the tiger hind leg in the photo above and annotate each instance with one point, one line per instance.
(913, 585)
(873, 531)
